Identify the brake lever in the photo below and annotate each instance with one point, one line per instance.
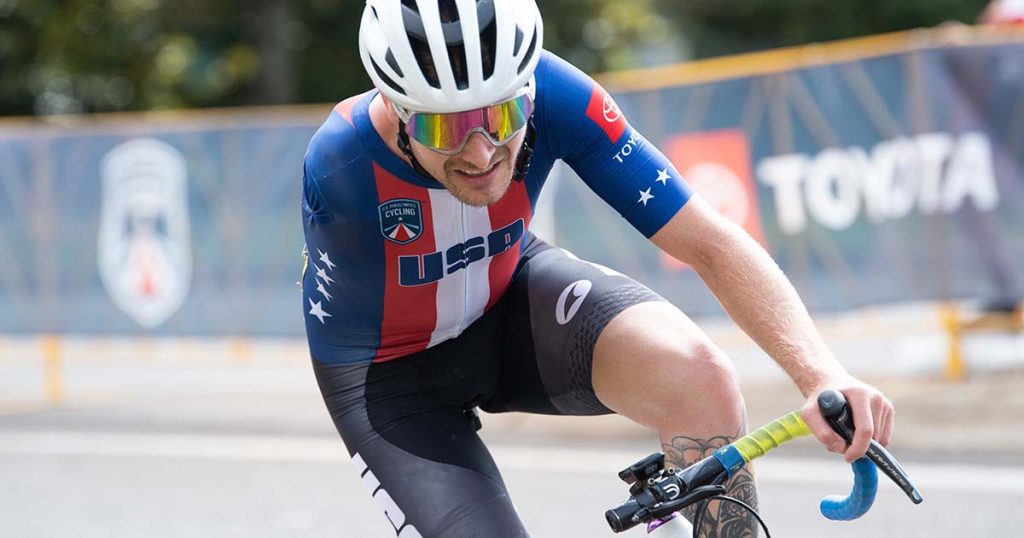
(837, 413)
(702, 493)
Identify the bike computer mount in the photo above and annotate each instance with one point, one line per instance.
(639, 473)
(655, 493)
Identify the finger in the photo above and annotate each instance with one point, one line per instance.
(880, 429)
(864, 424)
(821, 430)
(878, 406)
(890, 423)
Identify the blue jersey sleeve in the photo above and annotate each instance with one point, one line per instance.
(343, 279)
(582, 125)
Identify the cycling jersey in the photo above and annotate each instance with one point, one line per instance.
(398, 265)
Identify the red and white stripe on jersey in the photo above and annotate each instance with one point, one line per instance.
(463, 293)
(513, 206)
(461, 297)
(406, 324)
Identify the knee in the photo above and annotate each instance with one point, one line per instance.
(702, 388)
(653, 365)
(710, 371)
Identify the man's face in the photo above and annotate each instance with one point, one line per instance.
(480, 174)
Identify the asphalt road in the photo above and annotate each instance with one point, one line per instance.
(67, 474)
(169, 442)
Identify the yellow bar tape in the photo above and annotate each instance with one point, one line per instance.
(758, 442)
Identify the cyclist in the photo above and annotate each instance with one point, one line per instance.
(426, 296)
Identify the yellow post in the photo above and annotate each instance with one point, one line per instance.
(955, 360)
(240, 351)
(53, 375)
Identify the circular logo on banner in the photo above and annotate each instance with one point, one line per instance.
(611, 110)
(144, 247)
(722, 188)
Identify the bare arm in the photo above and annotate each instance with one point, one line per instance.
(761, 300)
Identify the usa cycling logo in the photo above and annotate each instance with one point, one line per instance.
(401, 220)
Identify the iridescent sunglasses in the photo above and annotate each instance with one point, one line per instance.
(448, 133)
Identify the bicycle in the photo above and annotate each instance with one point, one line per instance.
(657, 493)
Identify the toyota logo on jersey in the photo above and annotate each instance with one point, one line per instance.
(611, 110)
(401, 220)
(603, 111)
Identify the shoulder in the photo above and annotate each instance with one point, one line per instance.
(334, 162)
(575, 113)
(336, 144)
(556, 76)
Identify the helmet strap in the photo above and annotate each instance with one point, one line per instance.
(525, 154)
(406, 147)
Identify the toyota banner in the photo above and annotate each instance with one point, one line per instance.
(875, 171)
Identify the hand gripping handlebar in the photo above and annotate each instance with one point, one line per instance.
(656, 492)
(837, 414)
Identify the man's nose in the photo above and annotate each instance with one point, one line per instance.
(478, 151)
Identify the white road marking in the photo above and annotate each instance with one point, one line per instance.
(983, 479)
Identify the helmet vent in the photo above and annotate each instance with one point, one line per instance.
(417, 35)
(529, 51)
(387, 80)
(488, 36)
(390, 57)
(451, 22)
(425, 60)
(519, 41)
(448, 10)
(457, 57)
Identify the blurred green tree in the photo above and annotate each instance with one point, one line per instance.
(717, 27)
(72, 56)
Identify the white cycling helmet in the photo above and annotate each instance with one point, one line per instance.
(450, 55)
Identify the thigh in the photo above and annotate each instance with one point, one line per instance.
(554, 311)
(417, 452)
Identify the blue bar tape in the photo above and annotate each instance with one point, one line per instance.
(865, 486)
(730, 458)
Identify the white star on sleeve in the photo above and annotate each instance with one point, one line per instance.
(318, 311)
(663, 176)
(326, 259)
(320, 288)
(645, 196)
(322, 275)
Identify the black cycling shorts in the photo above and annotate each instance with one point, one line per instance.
(408, 422)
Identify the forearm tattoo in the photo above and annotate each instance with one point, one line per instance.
(720, 519)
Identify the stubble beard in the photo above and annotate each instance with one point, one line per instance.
(476, 197)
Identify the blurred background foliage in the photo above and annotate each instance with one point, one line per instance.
(74, 56)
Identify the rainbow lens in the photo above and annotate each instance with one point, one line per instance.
(448, 133)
